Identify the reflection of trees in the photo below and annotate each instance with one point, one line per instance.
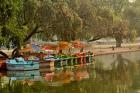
(136, 79)
(122, 72)
(0, 84)
(116, 80)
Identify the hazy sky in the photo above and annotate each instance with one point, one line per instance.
(132, 0)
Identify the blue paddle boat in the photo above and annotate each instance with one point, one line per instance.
(21, 65)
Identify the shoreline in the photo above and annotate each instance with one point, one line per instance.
(107, 51)
(102, 50)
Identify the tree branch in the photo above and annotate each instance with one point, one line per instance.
(95, 38)
(32, 33)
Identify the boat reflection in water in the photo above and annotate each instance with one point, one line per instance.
(3, 73)
(64, 76)
(24, 75)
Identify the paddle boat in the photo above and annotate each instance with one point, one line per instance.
(32, 58)
(20, 64)
(44, 61)
(74, 59)
(2, 64)
(61, 60)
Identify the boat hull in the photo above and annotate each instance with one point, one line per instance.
(22, 67)
(46, 64)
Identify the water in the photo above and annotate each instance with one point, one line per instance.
(119, 73)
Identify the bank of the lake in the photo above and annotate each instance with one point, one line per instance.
(101, 49)
(106, 51)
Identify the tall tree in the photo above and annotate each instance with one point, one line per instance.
(58, 19)
(132, 14)
(10, 30)
(114, 21)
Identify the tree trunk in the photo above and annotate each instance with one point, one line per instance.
(118, 44)
(31, 34)
(15, 53)
(118, 41)
(95, 38)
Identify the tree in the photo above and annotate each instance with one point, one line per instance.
(21, 19)
(58, 19)
(95, 25)
(67, 22)
(120, 30)
(111, 22)
(132, 15)
(65, 19)
(10, 31)
(132, 35)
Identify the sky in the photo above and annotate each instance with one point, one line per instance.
(132, 0)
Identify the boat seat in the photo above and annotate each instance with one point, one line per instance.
(20, 59)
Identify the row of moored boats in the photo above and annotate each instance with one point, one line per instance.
(34, 62)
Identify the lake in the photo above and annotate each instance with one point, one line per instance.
(115, 73)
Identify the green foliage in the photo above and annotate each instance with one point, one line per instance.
(10, 30)
(132, 14)
(58, 19)
(132, 35)
(66, 19)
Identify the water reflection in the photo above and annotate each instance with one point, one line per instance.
(15, 81)
(68, 75)
(119, 79)
(121, 74)
(24, 75)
